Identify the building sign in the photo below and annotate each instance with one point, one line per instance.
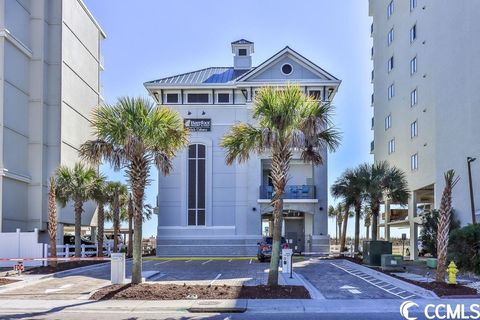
(198, 125)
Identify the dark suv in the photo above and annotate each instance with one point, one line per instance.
(265, 248)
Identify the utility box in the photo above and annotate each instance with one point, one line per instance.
(432, 263)
(117, 268)
(373, 250)
(287, 260)
(391, 262)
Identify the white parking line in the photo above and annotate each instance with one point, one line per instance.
(373, 284)
(188, 261)
(216, 278)
(206, 262)
(230, 260)
(158, 263)
(250, 261)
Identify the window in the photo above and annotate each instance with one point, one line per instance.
(413, 33)
(373, 75)
(287, 69)
(414, 162)
(390, 9)
(413, 129)
(413, 4)
(391, 91)
(391, 146)
(390, 36)
(413, 98)
(413, 66)
(372, 98)
(196, 184)
(388, 122)
(172, 97)
(373, 122)
(371, 29)
(242, 52)
(372, 51)
(390, 64)
(223, 98)
(315, 94)
(197, 98)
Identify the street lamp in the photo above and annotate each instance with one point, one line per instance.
(472, 202)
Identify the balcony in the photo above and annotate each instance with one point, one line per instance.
(294, 192)
(372, 147)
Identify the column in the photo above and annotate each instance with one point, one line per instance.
(412, 213)
(387, 219)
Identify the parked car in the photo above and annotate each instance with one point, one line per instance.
(265, 248)
(70, 240)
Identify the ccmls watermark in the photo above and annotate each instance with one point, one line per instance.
(442, 311)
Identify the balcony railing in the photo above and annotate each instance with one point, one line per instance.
(291, 192)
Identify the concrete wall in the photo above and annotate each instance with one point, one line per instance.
(49, 72)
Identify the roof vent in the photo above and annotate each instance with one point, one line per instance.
(242, 54)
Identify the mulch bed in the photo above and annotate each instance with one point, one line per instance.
(441, 289)
(61, 266)
(184, 292)
(4, 281)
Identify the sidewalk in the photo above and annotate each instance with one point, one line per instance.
(32, 307)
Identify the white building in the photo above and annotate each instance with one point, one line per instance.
(209, 208)
(50, 67)
(426, 99)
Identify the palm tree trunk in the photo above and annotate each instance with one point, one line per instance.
(280, 165)
(78, 226)
(340, 230)
(375, 212)
(100, 227)
(358, 210)
(52, 221)
(138, 179)
(116, 220)
(130, 227)
(343, 240)
(336, 231)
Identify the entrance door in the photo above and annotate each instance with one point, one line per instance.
(295, 234)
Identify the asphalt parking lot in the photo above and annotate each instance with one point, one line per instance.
(332, 279)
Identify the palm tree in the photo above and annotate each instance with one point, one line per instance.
(117, 199)
(444, 218)
(52, 220)
(339, 211)
(288, 121)
(332, 213)
(350, 187)
(132, 135)
(368, 222)
(381, 182)
(101, 196)
(77, 185)
(130, 225)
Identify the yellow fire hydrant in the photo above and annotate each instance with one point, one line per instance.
(452, 273)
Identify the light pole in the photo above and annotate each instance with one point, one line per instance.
(472, 201)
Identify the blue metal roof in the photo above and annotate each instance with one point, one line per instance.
(203, 76)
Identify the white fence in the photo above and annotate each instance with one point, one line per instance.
(20, 245)
(65, 251)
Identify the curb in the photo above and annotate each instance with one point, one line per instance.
(314, 292)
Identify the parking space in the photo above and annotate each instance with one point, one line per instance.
(337, 280)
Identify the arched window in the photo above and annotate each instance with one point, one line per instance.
(196, 184)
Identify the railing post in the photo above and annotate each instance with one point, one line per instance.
(83, 251)
(66, 251)
(109, 252)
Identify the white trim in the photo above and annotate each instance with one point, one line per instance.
(90, 15)
(290, 201)
(16, 43)
(208, 245)
(195, 227)
(15, 176)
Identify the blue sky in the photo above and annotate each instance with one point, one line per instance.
(150, 39)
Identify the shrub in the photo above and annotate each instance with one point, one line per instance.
(464, 248)
(428, 234)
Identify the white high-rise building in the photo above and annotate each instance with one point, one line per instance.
(427, 101)
(50, 67)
